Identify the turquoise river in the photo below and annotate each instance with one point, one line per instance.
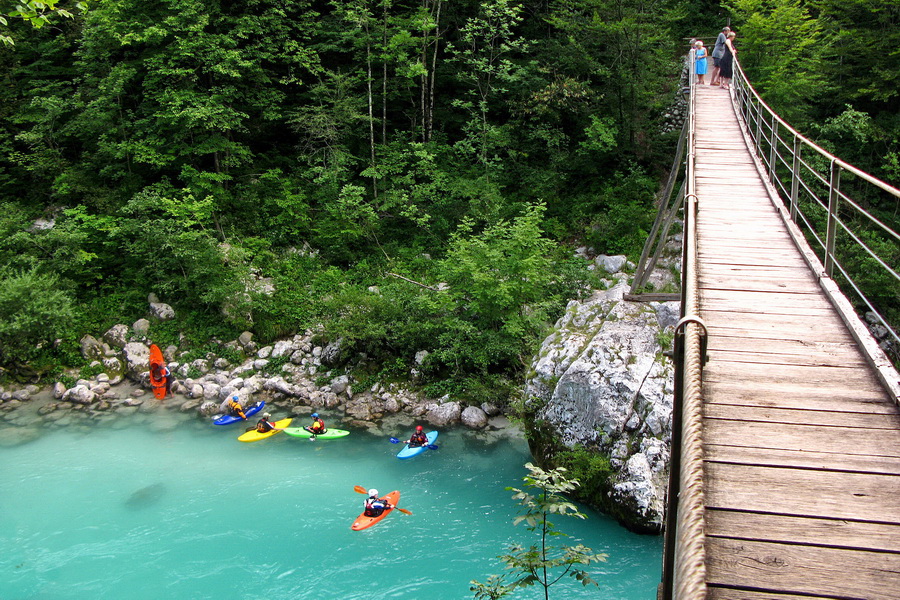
(178, 509)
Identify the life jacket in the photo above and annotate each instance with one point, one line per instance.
(418, 439)
(374, 507)
(318, 426)
(263, 426)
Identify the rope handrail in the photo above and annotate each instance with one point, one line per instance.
(684, 571)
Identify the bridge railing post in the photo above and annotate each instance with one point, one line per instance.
(773, 143)
(834, 182)
(795, 177)
(758, 136)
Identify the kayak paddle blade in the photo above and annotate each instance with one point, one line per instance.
(395, 440)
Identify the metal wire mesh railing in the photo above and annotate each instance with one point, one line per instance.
(848, 217)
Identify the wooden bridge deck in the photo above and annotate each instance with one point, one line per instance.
(801, 443)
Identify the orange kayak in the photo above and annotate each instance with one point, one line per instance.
(157, 362)
(362, 521)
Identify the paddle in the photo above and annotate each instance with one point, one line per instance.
(429, 446)
(361, 490)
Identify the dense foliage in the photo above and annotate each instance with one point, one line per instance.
(407, 175)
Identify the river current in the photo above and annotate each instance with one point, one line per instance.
(178, 509)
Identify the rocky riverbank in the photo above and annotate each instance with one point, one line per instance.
(294, 376)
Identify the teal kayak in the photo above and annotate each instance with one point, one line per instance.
(330, 434)
(408, 452)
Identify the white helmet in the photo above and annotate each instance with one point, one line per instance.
(373, 492)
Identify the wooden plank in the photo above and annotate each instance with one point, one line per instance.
(799, 437)
(784, 568)
(828, 380)
(772, 331)
(823, 461)
(830, 533)
(761, 299)
(787, 346)
(807, 324)
(803, 492)
(777, 358)
(866, 420)
(795, 282)
(797, 394)
(726, 593)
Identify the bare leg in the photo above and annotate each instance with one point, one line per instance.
(714, 76)
(700, 78)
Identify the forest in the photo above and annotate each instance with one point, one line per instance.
(400, 175)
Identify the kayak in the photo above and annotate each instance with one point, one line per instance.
(408, 452)
(330, 434)
(157, 362)
(229, 419)
(362, 521)
(255, 436)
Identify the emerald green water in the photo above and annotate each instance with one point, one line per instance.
(192, 513)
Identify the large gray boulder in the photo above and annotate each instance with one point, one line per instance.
(602, 382)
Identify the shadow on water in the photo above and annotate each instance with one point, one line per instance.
(146, 496)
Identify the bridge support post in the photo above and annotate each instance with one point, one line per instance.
(773, 144)
(795, 177)
(834, 183)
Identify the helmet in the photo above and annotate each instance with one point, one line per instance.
(315, 415)
(418, 428)
(266, 415)
(373, 492)
(235, 398)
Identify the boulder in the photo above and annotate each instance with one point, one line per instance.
(474, 418)
(91, 348)
(137, 358)
(116, 336)
(611, 264)
(161, 311)
(602, 382)
(80, 394)
(141, 327)
(442, 414)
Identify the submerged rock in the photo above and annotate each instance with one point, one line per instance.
(146, 496)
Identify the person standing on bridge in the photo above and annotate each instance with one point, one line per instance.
(726, 65)
(718, 51)
(700, 61)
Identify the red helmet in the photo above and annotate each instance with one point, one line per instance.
(418, 428)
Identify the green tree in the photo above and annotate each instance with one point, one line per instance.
(541, 564)
(34, 311)
(780, 46)
(36, 12)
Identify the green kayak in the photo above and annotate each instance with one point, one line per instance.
(330, 434)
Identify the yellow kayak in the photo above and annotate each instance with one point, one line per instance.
(255, 436)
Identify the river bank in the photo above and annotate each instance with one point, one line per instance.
(295, 377)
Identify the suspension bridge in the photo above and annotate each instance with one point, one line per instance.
(786, 434)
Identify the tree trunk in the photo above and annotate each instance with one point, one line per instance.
(437, 37)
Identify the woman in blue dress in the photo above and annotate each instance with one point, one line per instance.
(700, 61)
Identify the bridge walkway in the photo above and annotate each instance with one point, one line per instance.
(801, 444)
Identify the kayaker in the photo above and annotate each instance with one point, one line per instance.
(374, 505)
(264, 425)
(235, 408)
(318, 425)
(418, 438)
(160, 373)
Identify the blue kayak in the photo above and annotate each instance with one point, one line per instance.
(229, 419)
(408, 452)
